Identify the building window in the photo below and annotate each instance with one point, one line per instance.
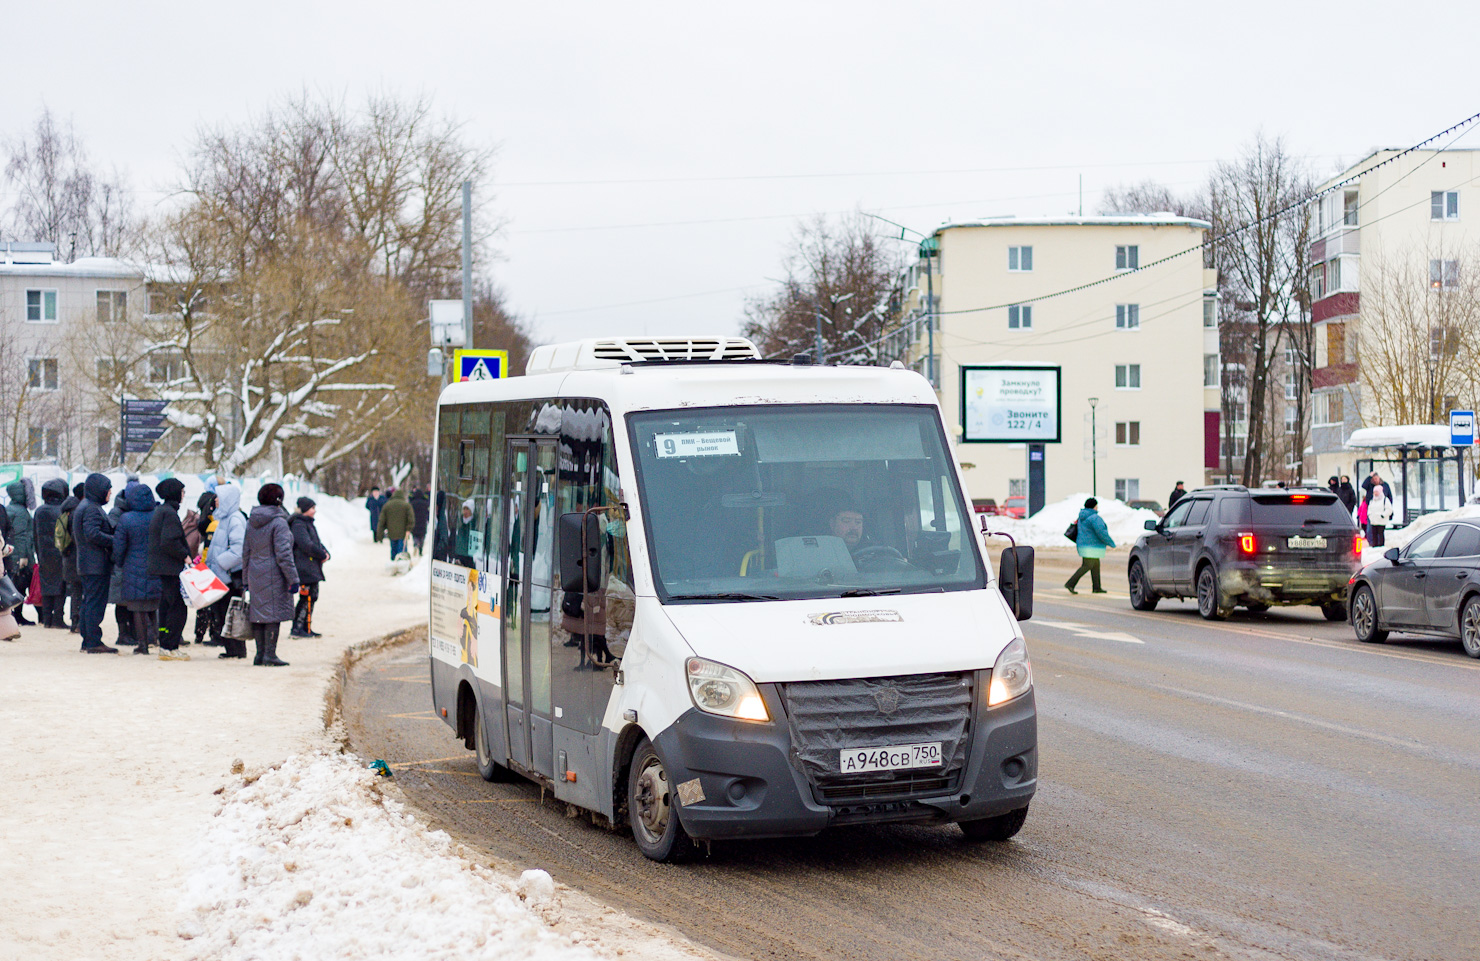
(1211, 373)
(1127, 257)
(1443, 274)
(1127, 316)
(105, 446)
(1290, 417)
(1017, 487)
(1333, 274)
(1127, 433)
(41, 373)
(1233, 447)
(1444, 205)
(41, 306)
(1020, 258)
(1318, 281)
(42, 442)
(112, 305)
(1444, 342)
(1128, 376)
(1020, 316)
(1210, 310)
(1290, 389)
(1349, 208)
(166, 367)
(1326, 409)
(1127, 488)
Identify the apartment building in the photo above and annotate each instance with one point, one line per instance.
(1134, 341)
(52, 316)
(1397, 235)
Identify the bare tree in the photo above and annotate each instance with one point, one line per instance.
(1260, 254)
(60, 198)
(842, 273)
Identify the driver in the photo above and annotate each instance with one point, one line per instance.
(847, 523)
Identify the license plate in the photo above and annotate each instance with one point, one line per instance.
(1307, 543)
(896, 757)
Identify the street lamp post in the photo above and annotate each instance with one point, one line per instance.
(1094, 451)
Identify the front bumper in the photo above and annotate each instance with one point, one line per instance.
(753, 786)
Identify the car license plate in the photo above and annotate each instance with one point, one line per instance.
(1307, 543)
(895, 757)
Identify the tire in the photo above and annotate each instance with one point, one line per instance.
(1211, 602)
(1000, 828)
(1469, 626)
(1364, 616)
(652, 807)
(1142, 597)
(1334, 611)
(490, 769)
(1256, 608)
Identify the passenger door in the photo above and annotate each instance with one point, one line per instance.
(1449, 575)
(530, 511)
(1160, 566)
(1187, 540)
(1403, 596)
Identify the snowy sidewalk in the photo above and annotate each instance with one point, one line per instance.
(116, 769)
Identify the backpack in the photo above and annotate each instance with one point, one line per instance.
(63, 535)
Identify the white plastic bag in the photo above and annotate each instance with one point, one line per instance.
(201, 587)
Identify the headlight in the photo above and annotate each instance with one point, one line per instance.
(717, 689)
(1012, 675)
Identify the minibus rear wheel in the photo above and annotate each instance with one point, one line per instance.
(490, 769)
(652, 807)
(999, 828)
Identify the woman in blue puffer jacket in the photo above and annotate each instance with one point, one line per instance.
(1093, 540)
(140, 591)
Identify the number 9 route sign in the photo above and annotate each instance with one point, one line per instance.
(1011, 405)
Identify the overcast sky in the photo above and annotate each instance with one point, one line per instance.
(654, 158)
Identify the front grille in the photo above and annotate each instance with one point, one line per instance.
(636, 349)
(827, 717)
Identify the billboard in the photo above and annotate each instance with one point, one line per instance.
(1011, 405)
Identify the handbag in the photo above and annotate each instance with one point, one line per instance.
(1072, 531)
(33, 596)
(201, 587)
(9, 596)
(236, 626)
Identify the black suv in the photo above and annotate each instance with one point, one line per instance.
(1229, 546)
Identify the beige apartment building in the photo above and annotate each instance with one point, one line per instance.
(1135, 342)
(52, 316)
(1389, 248)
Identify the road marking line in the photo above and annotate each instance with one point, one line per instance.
(502, 800)
(1084, 630)
(418, 679)
(417, 716)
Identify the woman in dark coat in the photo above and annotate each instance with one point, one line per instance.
(48, 558)
(138, 590)
(309, 555)
(268, 572)
(70, 576)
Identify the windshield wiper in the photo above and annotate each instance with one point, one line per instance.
(868, 591)
(724, 596)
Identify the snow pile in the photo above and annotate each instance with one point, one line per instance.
(1046, 528)
(311, 860)
(1401, 537)
(417, 580)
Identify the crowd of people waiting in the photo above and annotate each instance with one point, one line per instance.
(77, 550)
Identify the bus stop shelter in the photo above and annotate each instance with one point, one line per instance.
(1426, 472)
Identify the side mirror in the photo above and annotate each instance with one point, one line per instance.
(574, 563)
(1015, 580)
(1391, 554)
(1151, 525)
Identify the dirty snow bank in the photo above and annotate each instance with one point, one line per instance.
(312, 860)
(1046, 528)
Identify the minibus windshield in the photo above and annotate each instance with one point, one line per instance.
(805, 501)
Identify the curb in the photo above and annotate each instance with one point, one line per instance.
(353, 655)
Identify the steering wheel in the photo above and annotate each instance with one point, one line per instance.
(876, 557)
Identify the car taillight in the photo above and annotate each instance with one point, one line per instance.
(1246, 543)
(1359, 544)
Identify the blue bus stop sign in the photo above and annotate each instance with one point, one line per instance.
(1462, 428)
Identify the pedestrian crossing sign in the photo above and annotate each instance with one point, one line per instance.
(480, 364)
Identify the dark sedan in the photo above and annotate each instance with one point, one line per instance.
(1432, 586)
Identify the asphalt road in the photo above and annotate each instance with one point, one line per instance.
(1262, 788)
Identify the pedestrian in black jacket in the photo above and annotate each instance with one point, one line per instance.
(48, 558)
(70, 576)
(168, 552)
(309, 555)
(421, 508)
(1177, 494)
(1347, 493)
(92, 532)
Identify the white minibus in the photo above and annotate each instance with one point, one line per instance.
(708, 596)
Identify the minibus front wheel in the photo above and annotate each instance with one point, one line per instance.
(652, 807)
(1000, 828)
